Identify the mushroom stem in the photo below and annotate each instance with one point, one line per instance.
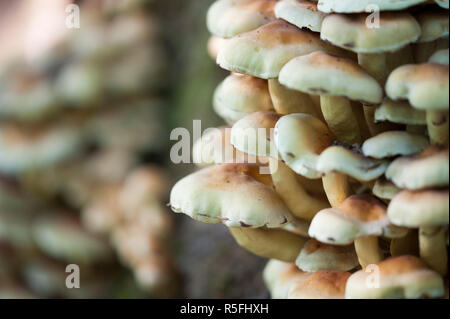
(368, 250)
(438, 126)
(297, 199)
(336, 187)
(341, 120)
(269, 243)
(433, 250)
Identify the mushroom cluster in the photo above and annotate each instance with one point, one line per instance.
(334, 163)
(78, 124)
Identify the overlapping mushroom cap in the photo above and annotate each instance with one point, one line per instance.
(323, 284)
(232, 194)
(301, 13)
(350, 6)
(399, 277)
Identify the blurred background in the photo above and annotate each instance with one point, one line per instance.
(85, 173)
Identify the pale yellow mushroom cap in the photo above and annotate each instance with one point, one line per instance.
(415, 209)
(385, 189)
(301, 13)
(393, 143)
(232, 194)
(317, 256)
(398, 277)
(264, 51)
(352, 6)
(358, 216)
(400, 112)
(434, 24)
(324, 284)
(352, 33)
(425, 86)
(280, 276)
(440, 56)
(343, 160)
(254, 134)
(214, 45)
(425, 170)
(324, 74)
(239, 95)
(227, 18)
(300, 139)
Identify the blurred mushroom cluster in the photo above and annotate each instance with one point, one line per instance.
(334, 163)
(82, 134)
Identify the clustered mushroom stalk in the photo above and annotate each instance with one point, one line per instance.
(357, 145)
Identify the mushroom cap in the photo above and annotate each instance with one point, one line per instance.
(442, 3)
(415, 209)
(393, 143)
(227, 18)
(385, 189)
(425, 85)
(264, 51)
(301, 13)
(324, 74)
(434, 24)
(279, 277)
(300, 139)
(24, 148)
(317, 256)
(239, 95)
(214, 45)
(358, 216)
(253, 134)
(324, 284)
(352, 33)
(440, 56)
(427, 169)
(400, 112)
(232, 194)
(214, 147)
(343, 160)
(351, 6)
(399, 277)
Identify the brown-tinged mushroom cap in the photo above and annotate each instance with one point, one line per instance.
(440, 56)
(352, 33)
(425, 85)
(227, 18)
(264, 51)
(343, 160)
(393, 143)
(399, 277)
(253, 134)
(327, 75)
(415, 209)
(425, 170)
(214, 45)
(324, 284)
(385, 189)
(400, 112)
(358, 216)
(240, 95)
(317, 256)
(434, 24)
(300, 139)
(351, 6)
(232, 194)
(301, 13)
(279, 277)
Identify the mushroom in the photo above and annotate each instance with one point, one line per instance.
(337, 81)
(427, 210)
(398, 277)
(385, 189)
(263, 52)
(394, 143)
(425, 86)
(280, 276)
(323, 284)
(240, 95)
(440, 57)
(235, 194)
(350, 6)
(395, 31)
(359, 219)
(434, 24)
(401, 112)
(301, 13)
(228, 18)
(317, 256)
(214, 45)
(442, 3)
